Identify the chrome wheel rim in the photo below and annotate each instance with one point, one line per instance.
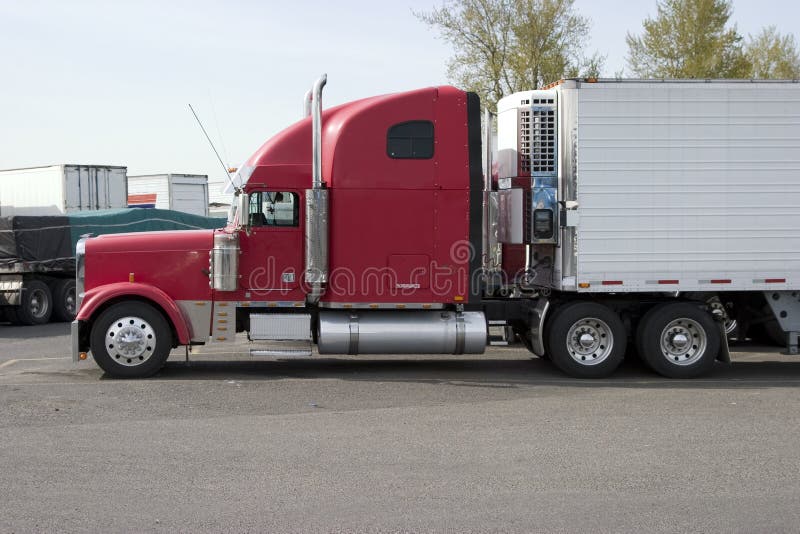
(590, 341)
(130, 341)
(70, 302)
(683, 341)
(39, 303)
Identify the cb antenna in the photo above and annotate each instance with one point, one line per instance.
(214, 148)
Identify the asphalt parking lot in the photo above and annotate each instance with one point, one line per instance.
(498, 443)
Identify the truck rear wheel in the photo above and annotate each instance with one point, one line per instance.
(64, 300)
(586, 340)
(36, 305)
(131, 340)
(678, 340)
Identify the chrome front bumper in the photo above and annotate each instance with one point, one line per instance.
(75, 333)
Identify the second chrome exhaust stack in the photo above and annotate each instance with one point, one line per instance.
(316, 224)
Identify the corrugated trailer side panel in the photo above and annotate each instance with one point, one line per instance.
(688, 186)
(189, 193)
(94, 187)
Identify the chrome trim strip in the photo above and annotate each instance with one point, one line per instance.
(80, 271)
(198, 314)
(381, 306)
(460, 333)
(352, 349)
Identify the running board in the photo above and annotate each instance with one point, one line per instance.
(281, 349)
(282, 353)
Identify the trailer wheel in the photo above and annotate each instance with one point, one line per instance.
(586, 340)
(64, 300)
(131, 340)
(678, 340)
(36, 305)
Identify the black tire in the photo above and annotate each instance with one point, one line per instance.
(148, 340)
(666, 356)
(64, 300)
(36, 306)
(602, 354)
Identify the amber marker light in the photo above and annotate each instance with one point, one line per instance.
(130, 277)
(82, 356)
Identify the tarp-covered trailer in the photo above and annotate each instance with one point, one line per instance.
(37, 256)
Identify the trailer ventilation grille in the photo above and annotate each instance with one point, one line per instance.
(537, 139)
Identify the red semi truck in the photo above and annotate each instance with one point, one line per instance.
(372, 228)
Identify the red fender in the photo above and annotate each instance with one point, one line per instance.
(95, 297)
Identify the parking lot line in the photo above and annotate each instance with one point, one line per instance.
(16, 360)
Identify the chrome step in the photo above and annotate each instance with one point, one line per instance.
(281, 353)
(281, 349)
(500, 334)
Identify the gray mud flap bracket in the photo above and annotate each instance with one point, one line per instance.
(785, 306)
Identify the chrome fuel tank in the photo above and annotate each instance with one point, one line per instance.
(401, 332)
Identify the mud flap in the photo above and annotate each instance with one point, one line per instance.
(724, 350)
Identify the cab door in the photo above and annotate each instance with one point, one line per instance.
(271, 263)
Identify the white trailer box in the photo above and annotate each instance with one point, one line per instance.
(180, 192)
(59, 189)
(656, 185)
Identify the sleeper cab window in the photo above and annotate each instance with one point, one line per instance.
(410, 140)
(274, 208)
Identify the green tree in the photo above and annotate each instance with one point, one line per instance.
(772, 55)
(688, 39)
(504, 46)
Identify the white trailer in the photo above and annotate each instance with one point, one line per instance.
(187, 193)
(649, 197)
(60, 189)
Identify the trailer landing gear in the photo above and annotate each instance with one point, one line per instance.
(785, 306)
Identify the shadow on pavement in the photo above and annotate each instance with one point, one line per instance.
(9, 331)
(488, 373)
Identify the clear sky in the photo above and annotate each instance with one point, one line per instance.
(108, 82)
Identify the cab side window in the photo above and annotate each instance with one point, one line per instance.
(410, 140)
(274, 208)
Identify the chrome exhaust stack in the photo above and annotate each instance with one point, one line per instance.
(316, 227)
(307, 104)
(492, 251)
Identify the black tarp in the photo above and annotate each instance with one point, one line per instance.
(47, 242)
(41, 240)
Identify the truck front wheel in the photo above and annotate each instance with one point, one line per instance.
(586, 340)
(678, 340)
(131, 340)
